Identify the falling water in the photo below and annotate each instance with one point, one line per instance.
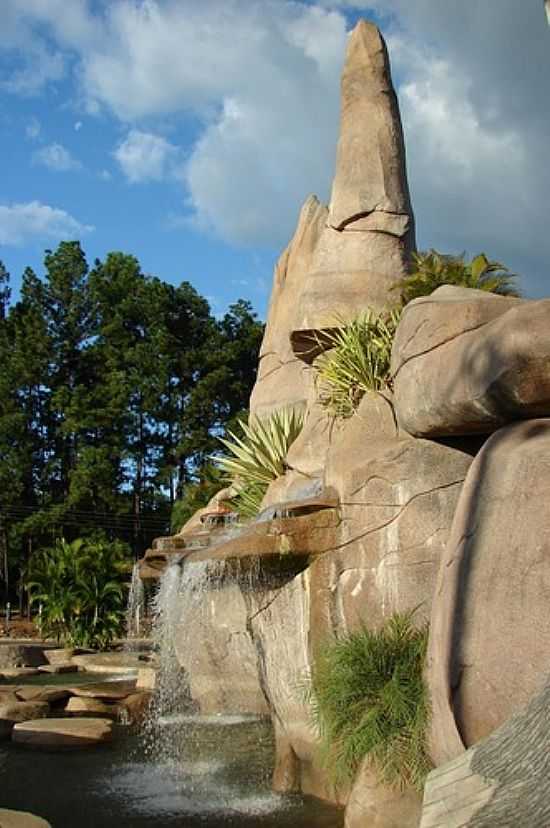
(136, 608)
(179, 607)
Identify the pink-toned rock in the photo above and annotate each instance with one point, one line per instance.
(490, 623)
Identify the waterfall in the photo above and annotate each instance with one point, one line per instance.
(178, 611)
(136, 608)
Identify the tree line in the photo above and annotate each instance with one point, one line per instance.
(114, 386)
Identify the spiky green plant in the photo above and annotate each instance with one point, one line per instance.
(431, 270)
(369, 701)
(257, 456)
(358, 360)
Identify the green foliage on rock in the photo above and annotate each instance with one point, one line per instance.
(257, 456)
(80, 589)
(357, 361)
(369, 701)
(431, 270)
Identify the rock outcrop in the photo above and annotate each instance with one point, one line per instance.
(490, 621)
(468, 363)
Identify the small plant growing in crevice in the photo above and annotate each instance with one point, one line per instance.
(430, 270)
(369, 701)
(257, 456)
(357, 361)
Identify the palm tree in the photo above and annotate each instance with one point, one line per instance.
(431, 270)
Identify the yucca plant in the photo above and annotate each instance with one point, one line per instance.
(257, 456)
(357, 360)
(369, 701)
(431, 270)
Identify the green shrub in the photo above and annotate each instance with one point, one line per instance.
(369, 700)
(257, 456)
(431, 270)
(80, 587)
(358, 361)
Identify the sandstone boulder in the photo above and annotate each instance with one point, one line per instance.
(490, 625)
(135, 707)
(376, 805)
(12, 710)
(21, 819)
(470, 365)
(63, 734)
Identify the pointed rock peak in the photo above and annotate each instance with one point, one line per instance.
(367, 50)
(370, 163)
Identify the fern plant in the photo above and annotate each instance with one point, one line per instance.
(257, 456)
(431, 270)
(369, 701)
(357, 361)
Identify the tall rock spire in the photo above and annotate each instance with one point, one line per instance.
(366, 245)
(348, 257)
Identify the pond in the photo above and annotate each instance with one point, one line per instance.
(221, 778)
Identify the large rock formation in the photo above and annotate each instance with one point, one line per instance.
(490, 623)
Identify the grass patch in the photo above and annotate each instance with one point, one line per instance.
(369, 700)
(358, 360)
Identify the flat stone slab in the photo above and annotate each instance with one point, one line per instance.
(35, 692)
(21, 819)
(79, 706)
(108, 663)
(63, 734)
(110, 690)
(58, 668)
(19, 672)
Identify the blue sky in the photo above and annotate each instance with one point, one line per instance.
(190, 134)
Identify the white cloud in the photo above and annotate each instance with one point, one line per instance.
(257, 82)
(33, 128)
(20, 223)
(144, 156)
(78, 126)
(105, 175)
(56, 157)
